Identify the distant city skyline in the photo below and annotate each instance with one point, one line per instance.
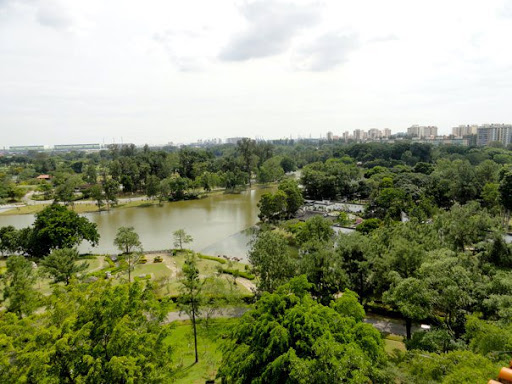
(83, 70)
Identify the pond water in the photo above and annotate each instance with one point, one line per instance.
(217, 223)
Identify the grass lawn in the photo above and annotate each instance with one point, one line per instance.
(392, 342)
(209, 342)
(157, 270)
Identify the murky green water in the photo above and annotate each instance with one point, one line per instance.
(215, 222)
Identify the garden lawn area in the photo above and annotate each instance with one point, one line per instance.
(208, 342)
(392, 342)
(157, 270)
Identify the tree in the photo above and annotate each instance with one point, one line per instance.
(96, 192)
(355, 255)
(19, 289)
(505, 190)
(111, 188)
(289, 338)
(92, 333)
(190, 299)
(152, 185)
(316, 228)
(272, 206)
(270, 170)
(294, 199)
(464, 225)
(131, 259)
(322, 269)
(45, 188)
(61, 264)
(91, 176)
(65, 192)
(246, 149)
(413, 299)
(8, 239)
(368, 226)
(58, 227)
(271, 260)
(181, 237)
(127, 240)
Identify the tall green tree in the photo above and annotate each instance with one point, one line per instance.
(22, 298)
(96, 193)
(271, 260)
(111, 189)
(190, 299)
(246, 149)
(62, 264)
(413, 299)
(294, 199)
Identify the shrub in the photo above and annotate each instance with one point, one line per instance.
(212, 258)
(243, 274)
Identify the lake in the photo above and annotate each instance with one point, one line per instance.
(218, 223)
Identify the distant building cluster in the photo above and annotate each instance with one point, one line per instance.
(464, 130)
(423, 132)
(361, 135)
(61, 147)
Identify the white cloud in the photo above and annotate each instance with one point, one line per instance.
(325, 52)
(54, 14)
(271, 28)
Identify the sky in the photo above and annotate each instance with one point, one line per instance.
(159, 71)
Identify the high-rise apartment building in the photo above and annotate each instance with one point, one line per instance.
(374, 134)
(422, 131)
(494, 132)
(464, 130)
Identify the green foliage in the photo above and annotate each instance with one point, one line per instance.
(18, 281)
(96, 333)
(294, 199)
(62, 265)
(368, 226)
(57, 227)
(181, 237)
(238, 273)
(289, 338)
(127, 240)
(449, 368)
(212, 258)
(191, 300)
(316, 228)
(348, 305)
(464, 225)
(272, 206)
(9, 240)
(271, 260)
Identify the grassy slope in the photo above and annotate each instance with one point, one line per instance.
(209, 342)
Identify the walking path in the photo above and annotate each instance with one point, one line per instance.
(386, 325)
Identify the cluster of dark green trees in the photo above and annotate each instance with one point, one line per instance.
(56, 226)
(171, 174)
